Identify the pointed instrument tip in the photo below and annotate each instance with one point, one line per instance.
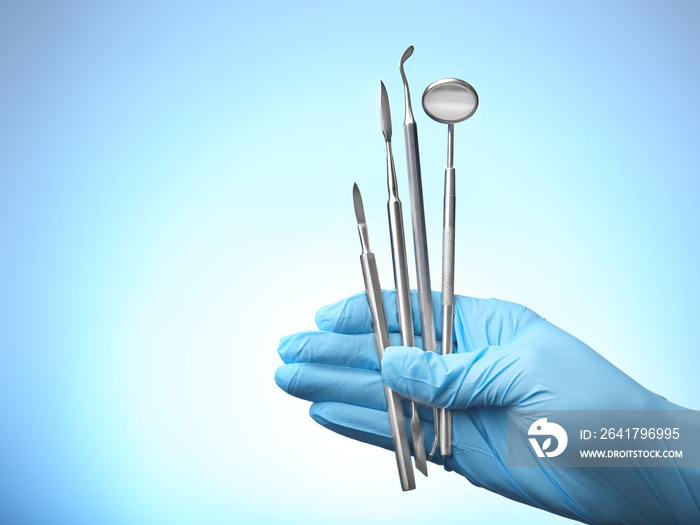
(418, 443)
(385, 112)
(357, 201)
(405, 56)
(422, 467)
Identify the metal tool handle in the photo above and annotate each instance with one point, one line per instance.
(420, 239)
(398, 253)
(448, 296)
(403, 304)
(448, 240)
(397, 421)
(420, 246)
(445, 416)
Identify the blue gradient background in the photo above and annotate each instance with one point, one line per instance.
(175, 196)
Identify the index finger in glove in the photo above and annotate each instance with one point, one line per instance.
(478, 322)
(352, 316)
(332, 348)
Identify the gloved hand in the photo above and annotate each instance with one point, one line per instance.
(505, 357)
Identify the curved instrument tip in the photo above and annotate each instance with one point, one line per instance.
(407, 94)
(405, 56)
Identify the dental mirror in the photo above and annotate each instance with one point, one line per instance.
(449, 101)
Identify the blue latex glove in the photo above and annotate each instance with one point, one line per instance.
(505, 357)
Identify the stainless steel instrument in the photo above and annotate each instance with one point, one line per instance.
(397, 421)
(420, 239)
(449, 101)
(398, 255)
